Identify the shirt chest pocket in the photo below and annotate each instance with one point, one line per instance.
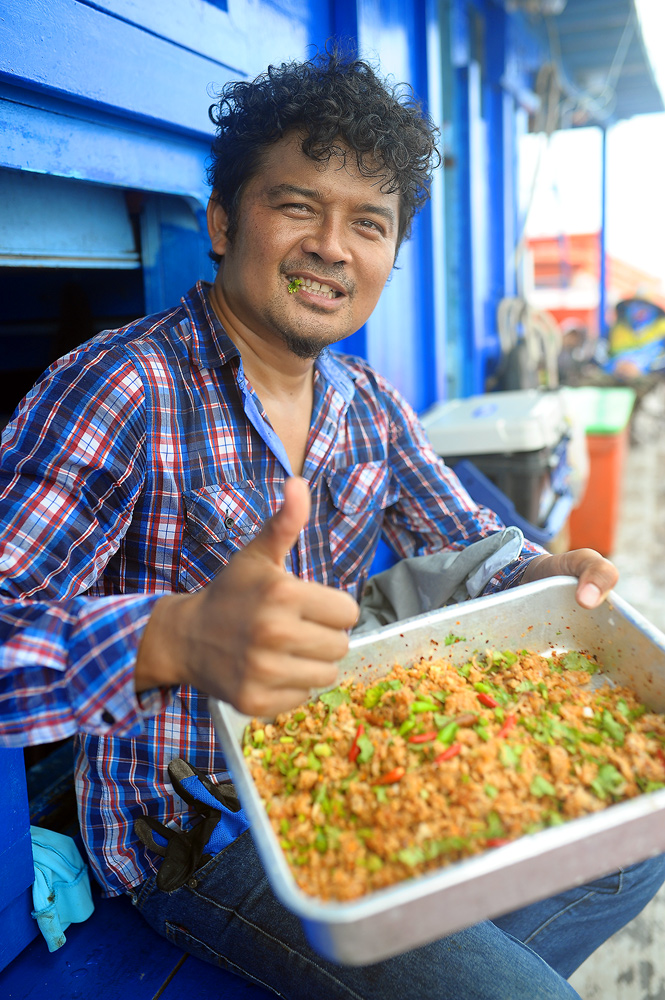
(219, 521)
(359, 494)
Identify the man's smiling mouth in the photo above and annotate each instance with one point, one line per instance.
(313, 286)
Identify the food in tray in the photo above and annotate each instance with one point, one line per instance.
(378, 782)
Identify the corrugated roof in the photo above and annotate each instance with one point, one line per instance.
(602, 55)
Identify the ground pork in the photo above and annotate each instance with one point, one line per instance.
(383, 781)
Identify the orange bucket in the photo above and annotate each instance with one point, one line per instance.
(594, 522)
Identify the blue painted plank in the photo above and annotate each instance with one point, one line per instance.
(175, 247)
(16, 868)
(15, 817)
(438, 290)
(201, 981)
(41, 134)
(113, 954)
(73, 48)
(17, 928)
(402, 333)
(248, 32)
(95, 59)
(116, 954)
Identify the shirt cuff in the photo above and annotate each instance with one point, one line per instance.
(104, 646)
(512, 575)
(68, 666)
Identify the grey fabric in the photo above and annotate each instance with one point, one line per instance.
(424, 583)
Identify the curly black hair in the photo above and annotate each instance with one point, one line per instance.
(329, 98)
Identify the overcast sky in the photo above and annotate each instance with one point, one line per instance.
(567, 195)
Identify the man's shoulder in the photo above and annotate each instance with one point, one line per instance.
(366, 378)
(181, 336)
(157, 328)
(160, 341)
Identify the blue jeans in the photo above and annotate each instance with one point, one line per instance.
(228, 915)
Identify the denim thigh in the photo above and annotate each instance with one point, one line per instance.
(228, 916)
(567, 928)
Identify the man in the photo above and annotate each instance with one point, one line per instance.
(178, 459)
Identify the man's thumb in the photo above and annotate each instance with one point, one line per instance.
(280, 533)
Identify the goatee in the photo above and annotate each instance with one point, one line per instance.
(307, 348)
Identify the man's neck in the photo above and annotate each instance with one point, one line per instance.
(269, 365)
(283, 382)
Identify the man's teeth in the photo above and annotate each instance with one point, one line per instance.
(319, 288)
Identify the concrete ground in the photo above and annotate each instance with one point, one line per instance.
(631, 965)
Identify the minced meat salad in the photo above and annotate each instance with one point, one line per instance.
(376, 783)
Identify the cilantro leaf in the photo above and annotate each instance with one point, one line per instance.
(333, 699)
(572, 660)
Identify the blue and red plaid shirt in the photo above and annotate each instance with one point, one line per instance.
(137, 466)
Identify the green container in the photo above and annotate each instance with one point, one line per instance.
(602, 410)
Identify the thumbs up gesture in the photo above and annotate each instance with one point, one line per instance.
(257, 636)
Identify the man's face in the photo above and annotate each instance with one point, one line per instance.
(314, 246)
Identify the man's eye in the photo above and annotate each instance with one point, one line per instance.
(297, 207)
(369, 225)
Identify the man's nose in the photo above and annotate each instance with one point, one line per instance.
(327, 241)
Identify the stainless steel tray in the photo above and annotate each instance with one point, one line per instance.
(541, 616)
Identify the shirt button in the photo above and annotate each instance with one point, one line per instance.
(107, 717)
(229, 522)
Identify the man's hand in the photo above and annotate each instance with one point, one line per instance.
(596, 574)
(256, 636)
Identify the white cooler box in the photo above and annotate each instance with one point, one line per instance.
(509, 450)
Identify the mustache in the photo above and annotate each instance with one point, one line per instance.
(335, 272)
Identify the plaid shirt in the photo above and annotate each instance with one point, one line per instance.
(139, 465)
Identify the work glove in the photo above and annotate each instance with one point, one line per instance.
(222, 822)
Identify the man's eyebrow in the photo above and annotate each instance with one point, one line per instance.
(371, 209)
(279, 190)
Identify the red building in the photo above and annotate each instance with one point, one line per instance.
(565, 279)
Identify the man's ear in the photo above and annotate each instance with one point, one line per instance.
(218, 222)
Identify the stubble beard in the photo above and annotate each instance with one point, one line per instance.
(306, 346)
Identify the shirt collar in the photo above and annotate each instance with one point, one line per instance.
(331, 367)
(212, 347)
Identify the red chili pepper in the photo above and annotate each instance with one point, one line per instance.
(355, 749)
(391, 777)
(448, 753)
(423, 737)
(496, 841)
(488, 700)
(661, 756)
(507, 726)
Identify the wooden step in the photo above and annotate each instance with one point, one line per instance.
(116, 954)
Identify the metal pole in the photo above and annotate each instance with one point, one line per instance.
(602, 242)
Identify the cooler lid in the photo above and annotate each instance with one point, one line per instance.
(496, 423)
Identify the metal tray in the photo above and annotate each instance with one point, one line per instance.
(541, 616)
